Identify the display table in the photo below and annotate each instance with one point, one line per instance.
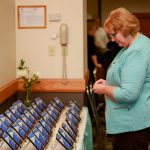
(83, 140)
(87, 141)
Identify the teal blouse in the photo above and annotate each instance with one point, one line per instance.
(130, 73)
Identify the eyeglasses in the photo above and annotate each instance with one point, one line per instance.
(113, 35)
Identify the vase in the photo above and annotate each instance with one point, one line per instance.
(27, 101)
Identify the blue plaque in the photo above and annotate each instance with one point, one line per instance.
(6, 121)
(48, 122)
(18, 108)
(74, 101)
(44, 124)
(9, 141)
(72, 118)
(46, 115)
(40, 136)
(26, 121)
(52, 114)
(59, 103)
(72, 126)
(43, 131)
(14, 110)
(73, 105)
(63, 142)
(29, 116)
(75, 114)
(14, 136)
(35, 141)
(36, 108)
(54, 110)
(41, 101)
(56, 106)
(20, 104)
(66, 136)
(40, 106)
(3, 127)
(67, 128)
(19, 130)
(10, 115)
(23, 126)
(33, 112)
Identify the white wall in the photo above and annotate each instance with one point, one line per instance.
(32, 44)
(7, 42)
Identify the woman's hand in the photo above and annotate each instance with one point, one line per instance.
(99, 85)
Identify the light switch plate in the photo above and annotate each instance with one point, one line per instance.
(51, 50)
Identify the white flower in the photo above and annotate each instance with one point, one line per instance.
(28, 78)
(37, 74)
(23, 73)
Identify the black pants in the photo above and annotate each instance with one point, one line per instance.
(137, 140)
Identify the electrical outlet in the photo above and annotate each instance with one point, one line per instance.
(51, 50)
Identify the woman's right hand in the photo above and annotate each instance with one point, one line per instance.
(98, 86)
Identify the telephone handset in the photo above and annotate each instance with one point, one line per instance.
(63, 34)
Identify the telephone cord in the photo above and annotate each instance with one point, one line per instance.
(64, 67)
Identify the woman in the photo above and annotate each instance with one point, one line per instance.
(92, 50)
(127, 85)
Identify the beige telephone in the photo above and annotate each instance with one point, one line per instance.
(63, 34)
(64, 42)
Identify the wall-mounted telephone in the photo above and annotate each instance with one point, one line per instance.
(63, 34)
(64, 42)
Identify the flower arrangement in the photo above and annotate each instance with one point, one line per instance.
(28, 80)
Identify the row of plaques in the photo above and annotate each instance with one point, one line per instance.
(36, 123)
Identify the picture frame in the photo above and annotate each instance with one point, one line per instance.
(31, 16)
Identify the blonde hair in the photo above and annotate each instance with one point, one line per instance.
(122, 20)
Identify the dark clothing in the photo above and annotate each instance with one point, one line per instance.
(137, 140)
(106, 58)
(113, 50)
(92, 50)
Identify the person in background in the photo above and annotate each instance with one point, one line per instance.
(127, 84)
(92, 51)
(113, 49)
(101, 38)
(103, 53)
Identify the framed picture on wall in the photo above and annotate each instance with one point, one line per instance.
(30, 17)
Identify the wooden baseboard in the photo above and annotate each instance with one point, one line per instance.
(8, 90)
(45, 85)
(56, 85)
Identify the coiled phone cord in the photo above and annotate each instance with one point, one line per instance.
(64, 67)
